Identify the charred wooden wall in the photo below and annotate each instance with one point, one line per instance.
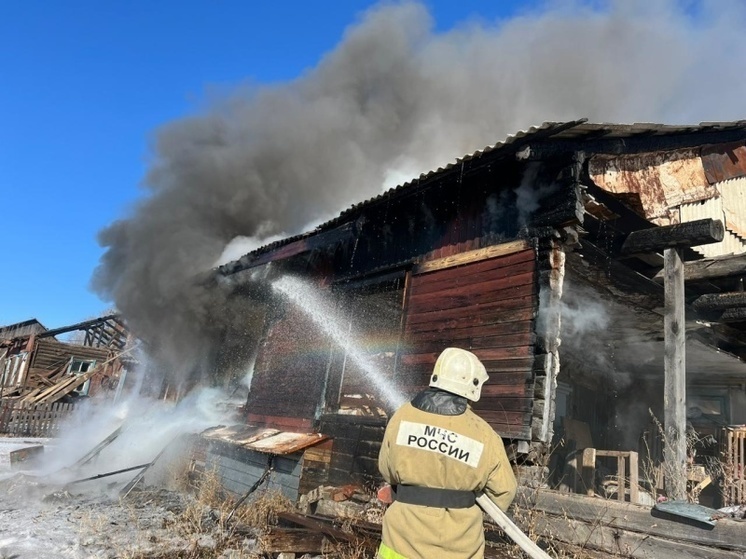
(289, 377)
(356, 442)
(487, 307)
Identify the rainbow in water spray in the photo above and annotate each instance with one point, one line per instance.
(306, 297)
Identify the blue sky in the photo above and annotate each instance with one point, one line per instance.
(84, 85)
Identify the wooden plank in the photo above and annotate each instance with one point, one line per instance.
(495, 321)
(498, 380)
(495, 308)
(437, 332)
(518, 263)
(511, 431)
(613, 540)
(292, 540)
(317, 526)
(472, 256)
(521, 403)
(514, 341)
(463, 305)
(674, 366)
(464, 293)
(727, 534)
(487, 354)
(511, 418)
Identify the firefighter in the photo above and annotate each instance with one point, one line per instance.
(437, 454)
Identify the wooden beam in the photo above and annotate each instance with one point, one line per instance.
(712, 268)
(674, 368)
(473, 256)
(681, 235)
(307, 243)
(727, 534)
(733, 315)
(317, 526)
(720, 301)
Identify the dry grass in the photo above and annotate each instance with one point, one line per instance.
(654, 473)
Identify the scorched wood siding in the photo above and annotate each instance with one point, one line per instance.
(290, 372)
(487, 307)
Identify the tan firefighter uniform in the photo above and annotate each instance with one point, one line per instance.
(441, 451)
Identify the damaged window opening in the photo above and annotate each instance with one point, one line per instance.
(79, 367)
(373, 307)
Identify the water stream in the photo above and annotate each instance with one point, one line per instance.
(305, 297)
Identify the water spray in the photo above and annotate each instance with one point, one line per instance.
(306, 298)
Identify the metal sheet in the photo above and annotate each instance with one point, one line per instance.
(690, 511)
(713, 209)
(659, 181)
(733, 193)
(287, 443)
(723, 162)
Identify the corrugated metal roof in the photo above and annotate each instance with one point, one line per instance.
(729, 206)
(264, 439)
(712, 209)
(733, 193)
(576, 130)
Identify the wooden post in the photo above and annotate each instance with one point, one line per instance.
(674, 365)
(672, 239)
(634, 479)
(588, 471)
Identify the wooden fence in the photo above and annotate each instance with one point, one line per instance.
(734, 449)
(32, 420)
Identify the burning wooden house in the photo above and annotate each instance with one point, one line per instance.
(528, 253)
(39, 373)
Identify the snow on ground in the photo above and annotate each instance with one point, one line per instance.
(44, 515)
(40, 521)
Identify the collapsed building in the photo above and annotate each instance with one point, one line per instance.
(43, 376)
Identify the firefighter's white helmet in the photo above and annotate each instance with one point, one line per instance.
(460, 372)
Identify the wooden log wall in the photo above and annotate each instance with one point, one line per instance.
(488, 307)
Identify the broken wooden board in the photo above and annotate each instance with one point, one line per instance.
(317, 525)
(293, 540)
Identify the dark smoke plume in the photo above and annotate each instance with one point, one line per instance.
(392, 100)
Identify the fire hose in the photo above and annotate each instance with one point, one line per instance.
(512, 531)
(385, 495)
